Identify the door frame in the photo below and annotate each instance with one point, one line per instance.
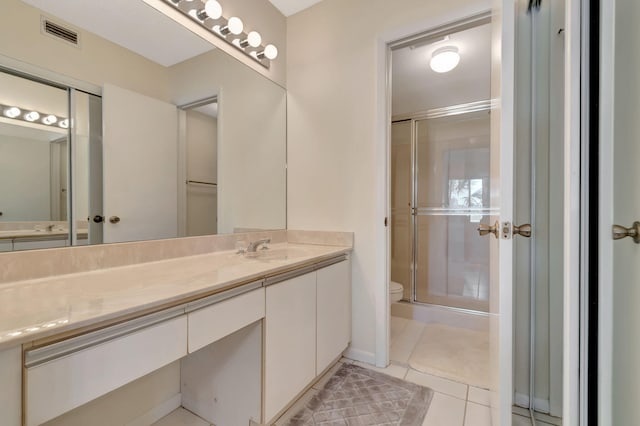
(605, 214)
(575, 214)
(502, 402)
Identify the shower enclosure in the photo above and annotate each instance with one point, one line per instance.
(440, 194)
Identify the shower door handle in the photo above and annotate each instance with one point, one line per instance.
(522, 230)
(484, 229)
(618, 232)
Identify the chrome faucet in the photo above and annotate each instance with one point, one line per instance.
(253, 246)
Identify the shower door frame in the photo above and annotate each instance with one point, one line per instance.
(443, 112)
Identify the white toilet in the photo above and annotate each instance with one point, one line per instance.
(396, 291)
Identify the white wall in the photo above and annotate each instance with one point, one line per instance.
(336, 134)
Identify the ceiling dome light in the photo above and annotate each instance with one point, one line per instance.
(444, 59)
(213, 9)
(32, 116)
(64, 123)
(50, 119)
(12, 112)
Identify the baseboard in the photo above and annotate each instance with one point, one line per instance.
(360, 355)
(158, 412)
(541, 405)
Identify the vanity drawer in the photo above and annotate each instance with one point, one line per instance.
(67, 375)
(221, 318)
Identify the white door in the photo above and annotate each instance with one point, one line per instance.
(619, 282)
(501, 184)
(140, 166)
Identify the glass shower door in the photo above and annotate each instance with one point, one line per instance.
(401, 196)
(451, 190)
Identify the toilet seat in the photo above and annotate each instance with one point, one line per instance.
(395, 287)
(396, 291)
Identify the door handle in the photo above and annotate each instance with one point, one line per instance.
(618, 232)
(485, 229)
(522, 230)
(98, 219)
(114, 219)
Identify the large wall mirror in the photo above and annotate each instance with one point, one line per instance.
(143, 130)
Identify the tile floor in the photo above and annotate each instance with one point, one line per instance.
(454, 403)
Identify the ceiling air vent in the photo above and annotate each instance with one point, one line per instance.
(60, 32)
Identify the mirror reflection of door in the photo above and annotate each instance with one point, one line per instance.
(199, 121)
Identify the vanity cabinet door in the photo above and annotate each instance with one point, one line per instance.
(334, 312)
(11, 393)
(290, 341)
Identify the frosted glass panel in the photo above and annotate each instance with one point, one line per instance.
(452, 187)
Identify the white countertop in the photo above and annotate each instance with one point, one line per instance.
(44, 307)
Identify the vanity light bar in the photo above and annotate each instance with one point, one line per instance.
(31, 116)
(208, 14)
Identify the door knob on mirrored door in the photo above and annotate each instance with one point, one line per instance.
(619, 232)
(485, 229)
(522, 230)
(114, 219)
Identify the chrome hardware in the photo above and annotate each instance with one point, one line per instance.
(114, 219)
(618, 232)
(253, 246)
(98, 219)
(484, 229)
(522, 230)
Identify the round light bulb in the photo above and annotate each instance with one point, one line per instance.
(270, 51)
(235, 25)
(50, 119)
(32, 116)
(213, 9)
(445, 59)
(64, 123)
(254, 39)
(12, 112)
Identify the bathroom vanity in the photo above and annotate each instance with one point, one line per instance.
(244, 334)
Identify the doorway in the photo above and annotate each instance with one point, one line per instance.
(448, 273)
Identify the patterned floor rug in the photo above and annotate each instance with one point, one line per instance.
(358, 396)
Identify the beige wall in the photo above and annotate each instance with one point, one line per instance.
(336, 133)
(96, 62)
(258, 15)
